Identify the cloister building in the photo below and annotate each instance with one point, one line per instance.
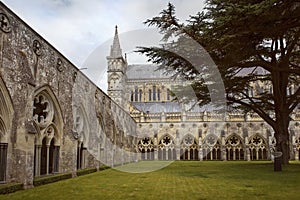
(53, 119)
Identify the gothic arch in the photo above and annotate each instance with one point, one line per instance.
(48, 119)
(81, 133)
(6, 113)
(258, 147)
(46, 112)
(166, 148)
(189, 148)
(114, 80)
(6, 116)
(235, 147)
(146, 148)
(211, 147)
(81, 125)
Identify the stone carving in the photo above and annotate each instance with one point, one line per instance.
(4, 23)
(74, 76)
(42, 110)
(37, 47)
(59, 65)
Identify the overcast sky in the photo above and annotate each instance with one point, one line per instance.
(78, 27)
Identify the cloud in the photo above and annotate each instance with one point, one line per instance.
(77, 27)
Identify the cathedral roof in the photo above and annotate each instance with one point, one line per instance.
(145, 71)
(167, 107)
(157, 107)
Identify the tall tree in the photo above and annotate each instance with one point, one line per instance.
(251, 42)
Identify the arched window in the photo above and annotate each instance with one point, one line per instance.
(136, 93)
(234, 148)
(47, 116)
(154, 93)
(258, 148)
(189, 148)
(146, 148)
(211, 148)
(168, 95)
(158, 95)
(166, 148)
(131, 96)
(6, 112)
(140, 95)
(149, 95)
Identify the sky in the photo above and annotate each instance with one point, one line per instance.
(82, 30)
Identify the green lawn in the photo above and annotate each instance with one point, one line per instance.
(180, 180)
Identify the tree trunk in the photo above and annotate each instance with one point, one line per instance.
(282, 139)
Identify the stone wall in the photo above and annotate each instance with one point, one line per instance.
(52, 116)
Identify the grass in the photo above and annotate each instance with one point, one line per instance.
(180, 180)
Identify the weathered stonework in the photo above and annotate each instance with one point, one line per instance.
(53, 119)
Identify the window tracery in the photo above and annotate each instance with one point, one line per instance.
(234, 148)
(258, 148)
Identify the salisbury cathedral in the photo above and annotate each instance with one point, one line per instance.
(53, 119)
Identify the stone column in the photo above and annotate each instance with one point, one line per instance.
(247, 150)
(48, 157)
(38, 149)
(223, 148)
(234, 156)
(178, 153)
(200, 154)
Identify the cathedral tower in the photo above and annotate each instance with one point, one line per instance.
(116, 73)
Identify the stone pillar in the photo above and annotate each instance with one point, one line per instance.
(247, 150)
(223, 148)
(38, 149)
(200, 154)
(178, 153)
(48, 157)
(234, 156)
(224, 154)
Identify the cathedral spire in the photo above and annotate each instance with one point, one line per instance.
(116, 51)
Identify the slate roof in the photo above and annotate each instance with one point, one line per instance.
(167, 107)
(145, 71)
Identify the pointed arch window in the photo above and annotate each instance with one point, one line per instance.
(168, 95)
(158, 95)
(149, 95)
(47, 116)
(154, 93)
(131, 96)
(136, 93)
(140, 95)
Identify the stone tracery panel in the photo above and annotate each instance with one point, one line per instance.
(4, 23)
(189, 148)
(42, 110)
(146, 148)
(234, 148)
(211, 148)
(258, 148)
(166, 148)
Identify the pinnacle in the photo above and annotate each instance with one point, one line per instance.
(116, 50)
